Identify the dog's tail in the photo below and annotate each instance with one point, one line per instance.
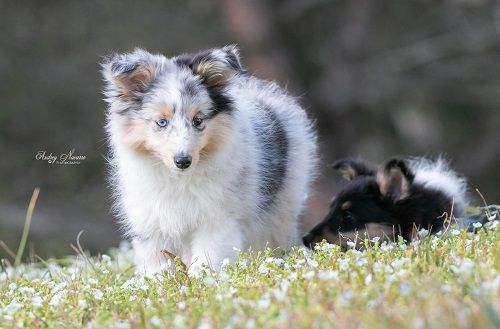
(438, 175)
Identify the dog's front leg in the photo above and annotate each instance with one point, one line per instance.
(213, 243)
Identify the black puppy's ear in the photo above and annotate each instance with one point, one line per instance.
(351, 169)
(395, 179)
(129, 75)
(215, 66)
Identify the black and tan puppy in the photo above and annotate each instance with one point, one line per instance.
(401, 197)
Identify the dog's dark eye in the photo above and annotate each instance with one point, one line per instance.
(348, 216)
(162, 123)
(197, 122)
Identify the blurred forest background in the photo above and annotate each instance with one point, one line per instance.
(381, 78)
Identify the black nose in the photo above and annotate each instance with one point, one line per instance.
(182, 161)
(308, 239)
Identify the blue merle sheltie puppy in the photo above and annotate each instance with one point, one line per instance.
(205, 159)
(398, 199)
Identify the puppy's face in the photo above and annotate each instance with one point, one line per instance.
(356, 211)
(363, 207)
(173, 109)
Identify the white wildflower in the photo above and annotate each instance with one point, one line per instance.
(82, 303)
(325, 247)
(361, 261)
(466, 266)
(120, 325)
(491, 286)
(106, 259)
(400, 262)
(264, 303)
(493, 225)
(387, 246)
(155, 321)
(454, 232)
(14, 306)
(343, 264)
(346, 296)
(274, 260)
(263, 268)
(423, 233)
(308, 275)
(225, 263)
(446, 288)
(56, 299)
(351, 244)
(477, 225)
(27, 290)
(375, 239)
(368, 279)
(378, 267)
(204, 324)
(181, 305)
(37, 301)
(299, 262)
(313, 263)
(285, 284)
(328, 275)
(279, 295)
(98, 294)
(404, 288)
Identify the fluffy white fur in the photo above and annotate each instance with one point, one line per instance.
(207, 212)
(438, 175)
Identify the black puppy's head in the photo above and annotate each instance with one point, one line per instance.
(365, 204)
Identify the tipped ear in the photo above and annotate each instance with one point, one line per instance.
(129, 75)
(395, 179)
(351, 169)
(215, 66)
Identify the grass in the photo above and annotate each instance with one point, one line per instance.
(452, 282)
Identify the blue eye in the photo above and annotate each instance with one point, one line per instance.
(162, 123)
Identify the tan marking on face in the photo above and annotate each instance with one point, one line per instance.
(162, 112)
(382, 183)
(216, 133)
(135, 135)
(346, 205)
(193, 112)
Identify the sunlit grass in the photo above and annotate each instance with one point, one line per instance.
(441, 283)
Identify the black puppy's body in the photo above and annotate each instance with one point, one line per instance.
(386, 202)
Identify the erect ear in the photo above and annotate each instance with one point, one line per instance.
(215, 66)
(395, 179)
(129, 75)
(351, 169)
